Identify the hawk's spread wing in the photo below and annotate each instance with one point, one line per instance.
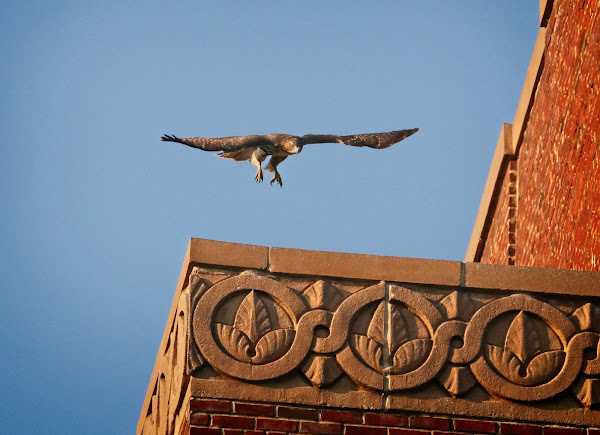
(227, 144)
(371, 140)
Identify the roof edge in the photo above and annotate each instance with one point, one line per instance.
(367, 267)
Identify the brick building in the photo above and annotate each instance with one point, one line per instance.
(266, 340)
(541, 205)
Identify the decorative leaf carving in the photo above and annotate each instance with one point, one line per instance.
(505, 362)
(411, 355)
(322, 370)
(273, 345)
(251, 339)
(398, 329)
(459, 305)
(234, 341)
(323, 295)
(457, 379)
(195, 360)
(252, 317)
(369, 350)
(375, 331)
(588, 317)
(544, 367)
(407, 355)
(522, 338)
(588, 392)
(541, 369)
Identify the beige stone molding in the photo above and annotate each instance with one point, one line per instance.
(465, 339)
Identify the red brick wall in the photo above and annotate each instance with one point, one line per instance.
(496, 250)
(223, 417)
(558, 222)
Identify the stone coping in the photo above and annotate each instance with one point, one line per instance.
(387, 268)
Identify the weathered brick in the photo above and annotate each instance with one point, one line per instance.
(430, 423)
(563, 431)
(385, 419)
(276, 424)
(475, 425)
(199, 419)
(297, 413)
(341, 416)
(320, 428)
(232, 421)
(253, 409)
(204, 431)
(234, 432)
(394, 431)
(210, 405)
(364, 430)
(519, 429)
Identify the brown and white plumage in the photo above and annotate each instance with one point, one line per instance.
(256, 148)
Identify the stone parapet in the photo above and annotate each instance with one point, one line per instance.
(268, 326)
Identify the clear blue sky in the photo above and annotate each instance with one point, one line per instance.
(97, 212)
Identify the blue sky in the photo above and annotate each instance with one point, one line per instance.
(97, 212)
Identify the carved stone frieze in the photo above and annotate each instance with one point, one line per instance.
(394, 341)
(164, 413)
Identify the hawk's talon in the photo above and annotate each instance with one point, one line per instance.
(277, 178)
(259, 176)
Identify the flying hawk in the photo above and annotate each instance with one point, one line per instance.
(280, 146)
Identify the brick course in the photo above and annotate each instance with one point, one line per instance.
(475, 426)
(279, 424)
(392, 431)
(232, 421)
(297, 413)
(364, 430)
(204, 431)
(519, 429)
(320, 428)
(385, 419)
(210, 405)
(324, 420)
(253, 409)
(341, 416)
(430, 423)
(198, 419)
(563, 431)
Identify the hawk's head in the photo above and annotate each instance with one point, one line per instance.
(290, 144)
